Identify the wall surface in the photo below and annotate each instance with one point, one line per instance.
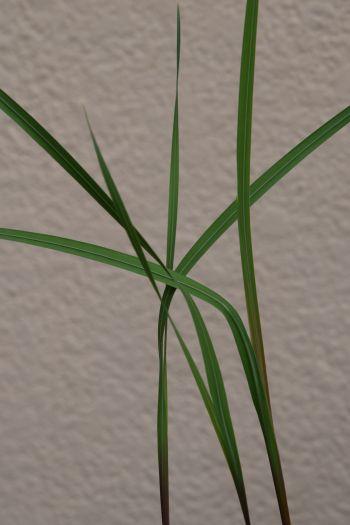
(78, 372)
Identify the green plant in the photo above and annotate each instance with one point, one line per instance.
(251, 350)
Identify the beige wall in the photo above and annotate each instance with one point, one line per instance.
(78, 340)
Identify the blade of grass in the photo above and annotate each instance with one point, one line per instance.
(162, 413)
(174, 163)
(120, 208)
(191, 287)
(261, 186)
(219, 397)
(244, 128)
(44, 139)
(162, 419)
(55, 150)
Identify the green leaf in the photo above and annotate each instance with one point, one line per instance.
(244, 128)
(162, 414)
(162, 418)
(261, 186)
(121, 210)
(190, 287)
(174, 163)
(42, 137)
(55, 150)
(266, 181)
(219, 397)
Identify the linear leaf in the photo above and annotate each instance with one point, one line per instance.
(162, 417)
(219, 397)
(121, 210)
(244, 129)
(44, 139)
(261, 186)
(174, 163)
(194, 288)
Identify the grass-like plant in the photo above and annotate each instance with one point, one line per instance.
(250, 349)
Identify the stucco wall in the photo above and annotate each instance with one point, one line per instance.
(78, 355)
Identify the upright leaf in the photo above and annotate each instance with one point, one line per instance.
(244, 127)
(174, 162)
(162, 412)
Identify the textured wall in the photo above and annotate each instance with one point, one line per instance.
(78, 340)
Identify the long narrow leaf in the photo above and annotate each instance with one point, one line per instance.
(162, 418)
(174, 163)
(162, 413)
(244, 128)
(44, 139)
(191, 287)
(219, 397)
(121, 210)
(261, 186)
(55, 150)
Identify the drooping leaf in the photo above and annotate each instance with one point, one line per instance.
(187, 286)
(219, 397)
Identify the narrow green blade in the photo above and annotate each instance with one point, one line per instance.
(219, 397)
(162, 414)
(244, 128)
(187, 286)
(174, 163)
(44, 139)
(262, 185)
(55, 150)
(162, 418)
(121, 210)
